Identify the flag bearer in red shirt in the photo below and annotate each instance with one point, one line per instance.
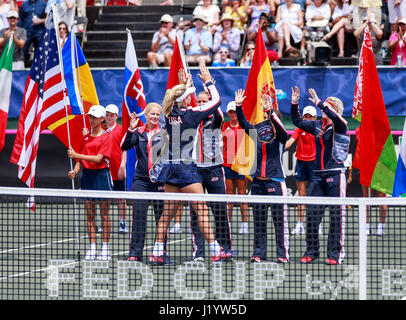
(93, 160)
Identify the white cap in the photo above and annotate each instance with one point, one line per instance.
(112, 108)
(231, 106)
(97, 111)
(12, 13)
(309, 110)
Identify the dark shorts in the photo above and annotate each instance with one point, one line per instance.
(96, 179)
(179, 174)
(232, 175)
(303, 170)
(119, 185)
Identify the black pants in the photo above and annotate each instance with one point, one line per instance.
(140, 210)
(213, 180)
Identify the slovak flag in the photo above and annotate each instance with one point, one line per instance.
(133, 100)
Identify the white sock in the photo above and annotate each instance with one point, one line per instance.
(381, 225)
(367, 226)
(105, 246)
(244, 224)
(93, 246)
(158, 249)
(214, 248)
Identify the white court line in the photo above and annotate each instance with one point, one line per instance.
(76, 262)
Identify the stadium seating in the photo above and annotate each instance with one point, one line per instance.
(106, 39)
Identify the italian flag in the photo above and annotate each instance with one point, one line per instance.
(260, 83)
(375, 156)
(6, 63)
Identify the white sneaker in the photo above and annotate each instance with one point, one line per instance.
(244, 228)
(176, 229)
(380, 230)
(320, 230)
(299, 229)
(91, 254)
(367, 230)
(104, 255)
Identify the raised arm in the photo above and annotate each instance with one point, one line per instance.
(214, 96)
(306, 125)
(340, 124)
(244, 123)
(281, 134)
(131, 139)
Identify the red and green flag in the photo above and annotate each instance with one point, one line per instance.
(6, 64)
(375, 156)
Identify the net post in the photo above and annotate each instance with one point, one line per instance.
(362, 207)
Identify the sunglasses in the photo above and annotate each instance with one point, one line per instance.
(223, 51)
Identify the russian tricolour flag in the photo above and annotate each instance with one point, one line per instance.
(399, 187)
(133, 100)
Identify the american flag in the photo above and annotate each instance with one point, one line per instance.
(43, 103)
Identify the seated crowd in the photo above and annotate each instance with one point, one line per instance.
(223, 33)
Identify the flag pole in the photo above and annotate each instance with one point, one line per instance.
(82, 109)
(55, 17)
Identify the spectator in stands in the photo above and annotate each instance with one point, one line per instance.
(135, 2)
(235, 182)
(269, 35)
(32, 19)
(363, 7)
(254, 11)
(224, 58)
(376, 33)
(396, 10)
(341, 23)
(318, 16)
(248, 54)
(63, 32)
(198, 43)
(4, 9)
(289, 23)
(163, 42)
(64, 9)
(236, 9)
(211, 12)
(19, 37)
(227, 35)
(397, 43)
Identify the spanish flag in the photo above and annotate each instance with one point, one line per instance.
(260, 84)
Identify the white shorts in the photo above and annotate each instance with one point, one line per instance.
(396, 13)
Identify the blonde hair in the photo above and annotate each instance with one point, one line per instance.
(152, 105)
(170, 96)
(337, 103)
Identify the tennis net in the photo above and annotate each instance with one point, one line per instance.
(42, 253)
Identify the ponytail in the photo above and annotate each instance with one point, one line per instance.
(170, 96)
